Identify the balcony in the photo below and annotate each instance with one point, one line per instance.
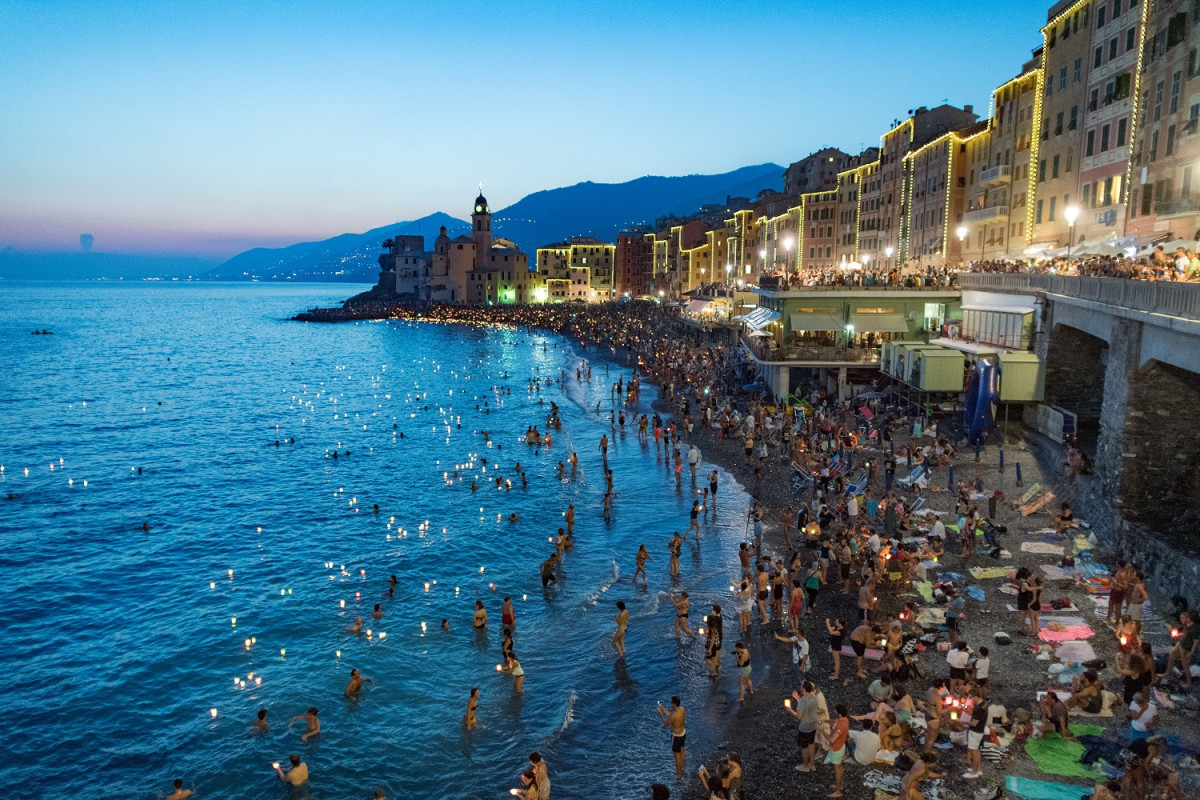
(989, 214)
(1177, 205)
(996, 175)
(766, 350)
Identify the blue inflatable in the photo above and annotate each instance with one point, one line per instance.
(983, 393)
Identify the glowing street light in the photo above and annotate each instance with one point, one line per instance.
(1072, 214)
(887, 251)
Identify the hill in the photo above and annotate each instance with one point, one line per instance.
(347, 258)
(601, 210)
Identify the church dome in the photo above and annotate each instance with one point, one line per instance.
(481, 206)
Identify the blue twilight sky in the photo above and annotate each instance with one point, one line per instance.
(208, 128)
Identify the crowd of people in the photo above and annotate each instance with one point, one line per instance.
(846, 563)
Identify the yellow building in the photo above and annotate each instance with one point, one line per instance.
(579, 270)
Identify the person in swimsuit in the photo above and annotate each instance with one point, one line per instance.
(675, 546)
(695, 523)
(741, 654)
(712, 487)
(355, 686)
(472, 704)
(837, 632)
(622, 619)
(311, 721)
(479, 620)
(508, 618)
(356, 627)
(675, 719)
(762, 581)
(743, 601)
(682, 605)
(712, 645)
(922, 770)
(860, 637)
(547, 571)
(513, 667)
(642, 558)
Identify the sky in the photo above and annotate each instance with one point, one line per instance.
(206, 129)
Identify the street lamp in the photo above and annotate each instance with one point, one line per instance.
(788, 243)
(962, 236)
(887, 251)
(1072, 214)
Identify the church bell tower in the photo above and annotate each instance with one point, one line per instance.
(481, 225)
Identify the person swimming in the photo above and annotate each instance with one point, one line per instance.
(355, 686)
(356, 627)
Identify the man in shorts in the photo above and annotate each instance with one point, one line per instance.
(975, 734)
(859, 637)
(675, 719)
(804, 707)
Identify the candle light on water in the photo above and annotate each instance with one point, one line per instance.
(213, 712)
(282, 652)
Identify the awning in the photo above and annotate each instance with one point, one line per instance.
(816, 322)
(879, 323)
(1038, 249)
(696, 306)
(1001, 309)
(760, 317)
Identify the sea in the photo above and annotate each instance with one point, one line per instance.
(180, 549)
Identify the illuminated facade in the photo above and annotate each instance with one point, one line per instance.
(460, 268)
(581, 270)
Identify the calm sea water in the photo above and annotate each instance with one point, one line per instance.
(118, 641)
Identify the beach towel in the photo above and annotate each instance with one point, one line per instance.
(1047, 619)
(1076, 651)
(1053, 572)
(982, 573)
(1042, 548)
(1106, 707)
(925, 589)
(1072, 632)
(1057, 757)
(976, 593)
(931, 618)
(1040, 790)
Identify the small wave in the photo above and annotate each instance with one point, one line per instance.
(594, 597)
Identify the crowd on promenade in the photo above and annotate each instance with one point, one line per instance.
(1181, 265)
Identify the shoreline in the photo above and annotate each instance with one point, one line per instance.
(762, 732)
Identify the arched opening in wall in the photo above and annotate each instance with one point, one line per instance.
(1075, 366)
(1160, 459)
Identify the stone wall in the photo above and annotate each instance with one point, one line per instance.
(1075, 372)
(1160, 473)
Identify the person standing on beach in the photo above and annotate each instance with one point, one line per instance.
(570, 518)
(860, 638)
(693, 460)
(803, 707)
(622, 619)
(741, 654)
(604, 448)
(547, 571)
(675, 719)
(712, 644)
(508, 617)
(712, 487)
(837, 747)
(761, 582)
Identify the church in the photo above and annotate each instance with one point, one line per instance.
(474, 269)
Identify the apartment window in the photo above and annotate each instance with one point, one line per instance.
(1062, 78)
(1038, 218)
(1147, 201)
(1074, 123)
(1158, 97)
(1154, 146)
(1099, 59)
(1104, 138)
(1176, 30)
(1112, 48)
(1130, 39)
(1122, 131)
(1045, 129)
(1095, 100)
(1078, 69)
(1175, 80)
(1042, 171)
(1116, 8)
(1050, 218)
(1171, 140)
(1192, 63)
(1054, 168)
(1091, 143)
(1100, 18)
(1186, 191)
(1058, 124)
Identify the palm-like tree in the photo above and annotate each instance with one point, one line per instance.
(387, 244)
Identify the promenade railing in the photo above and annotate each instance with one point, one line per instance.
(1158, 297)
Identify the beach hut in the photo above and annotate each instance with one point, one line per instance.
(1022, 378)
(937, 370)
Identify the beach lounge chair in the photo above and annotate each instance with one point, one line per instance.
(918, 474)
